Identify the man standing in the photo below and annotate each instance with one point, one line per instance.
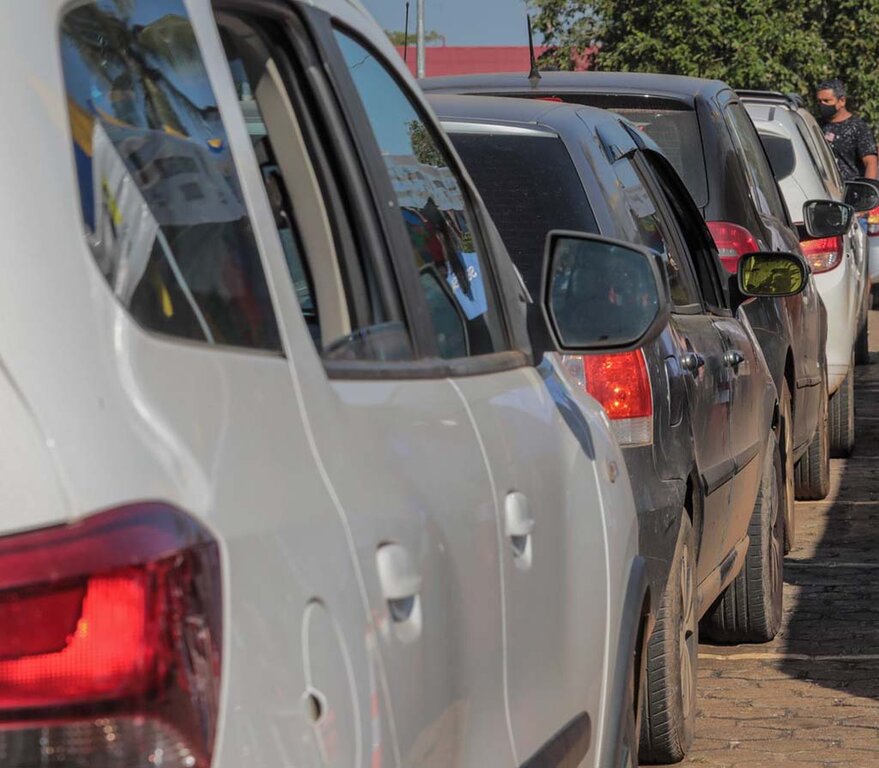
(849, 136)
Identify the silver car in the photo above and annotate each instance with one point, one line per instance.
(286, 481)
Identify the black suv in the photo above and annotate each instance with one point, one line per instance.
(695, 410)
(712, 143)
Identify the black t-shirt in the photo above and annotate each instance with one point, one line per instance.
(851, 140)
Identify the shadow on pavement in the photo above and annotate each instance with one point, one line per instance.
(831, 631)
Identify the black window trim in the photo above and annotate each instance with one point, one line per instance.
(398, 243)
(670, 231)
(730, 123)
(666, 174)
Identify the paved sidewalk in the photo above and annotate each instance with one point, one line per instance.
(811, 697)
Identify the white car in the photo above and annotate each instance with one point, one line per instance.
(284, 479)
(805, 169)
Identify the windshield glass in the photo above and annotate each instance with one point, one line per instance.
(530, 186)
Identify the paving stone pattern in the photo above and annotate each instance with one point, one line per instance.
(811, 697)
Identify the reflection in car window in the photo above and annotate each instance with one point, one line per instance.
(276, 189)
(643, 211)
(161, 203)
(761, 182)
(434, 211)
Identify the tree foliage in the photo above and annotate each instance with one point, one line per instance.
(786, 45)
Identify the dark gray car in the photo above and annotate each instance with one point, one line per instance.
(694, 409)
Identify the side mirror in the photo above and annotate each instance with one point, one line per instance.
(599, 293)
(772, 274)
(827, 218)
(862, 195)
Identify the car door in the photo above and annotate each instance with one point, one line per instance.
(742, 365)
(543, 484)
(701, 356)
(431, 570)
(194, 357)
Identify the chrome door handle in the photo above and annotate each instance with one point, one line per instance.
(733, 358)
(519, 525)
(692, 362)
(401, 587)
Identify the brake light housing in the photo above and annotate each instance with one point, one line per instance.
(620, 382)
(733, 242)
(873, 222)
(823, 253)
(110, 653)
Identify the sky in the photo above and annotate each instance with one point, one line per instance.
(463, 22)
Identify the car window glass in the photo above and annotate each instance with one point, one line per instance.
(346, 319)
(161, 202)
(278, 195)
(764, 189)
(703, 258)
(823, 156)
(650, 229)
(453, 273)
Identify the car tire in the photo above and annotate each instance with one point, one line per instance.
(668, 715)
(862, 345)
(842, 418)
(786, 432)
(812, 471)
(750, 609)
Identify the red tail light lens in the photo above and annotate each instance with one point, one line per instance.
(823, 254)
(873, 223)
(110, 649)
(732, 242)
(621, 384)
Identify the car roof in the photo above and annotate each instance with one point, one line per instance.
(488, 108)
(563, 118)
(686, 89)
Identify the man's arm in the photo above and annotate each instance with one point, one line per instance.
(867, 150)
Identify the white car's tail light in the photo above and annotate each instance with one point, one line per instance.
(620, 382)
(110, 642)
(823, 253)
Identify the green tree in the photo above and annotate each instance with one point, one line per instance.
(783, 45)
(398, 38)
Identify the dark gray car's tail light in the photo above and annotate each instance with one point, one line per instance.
(110, 642)
(619, 381)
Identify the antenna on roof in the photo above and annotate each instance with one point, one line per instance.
(534, 74)
(406, 33)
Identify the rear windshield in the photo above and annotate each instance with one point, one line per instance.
(672, 124)
(530, 186)
(677, 133)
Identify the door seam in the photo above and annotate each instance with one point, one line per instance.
(500, 543)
